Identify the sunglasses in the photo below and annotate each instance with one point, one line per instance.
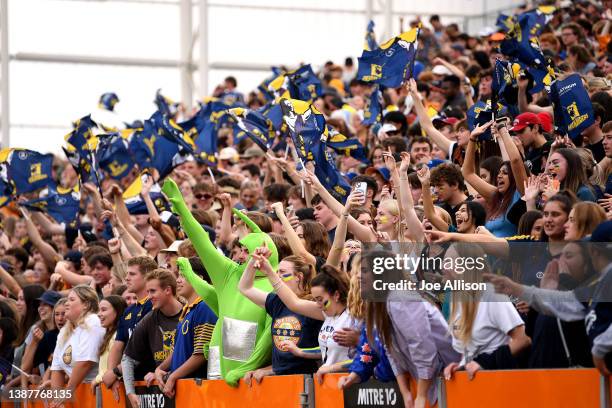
(203, 196)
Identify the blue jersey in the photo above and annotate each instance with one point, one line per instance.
(193, 334)
(131, 317)
(301, 330)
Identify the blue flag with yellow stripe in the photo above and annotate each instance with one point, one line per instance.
(391, 63)
(113, 155)
(572, 106)
(29, 170)
(80, 145)
(349, 146)
(254, 125)
(62, 207)
(372, 113)
(165, 105)
(203, 129)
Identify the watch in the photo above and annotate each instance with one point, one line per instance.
(117, 373)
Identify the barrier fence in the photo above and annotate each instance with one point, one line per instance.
(572, 388)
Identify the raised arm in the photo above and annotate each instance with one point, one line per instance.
(216, 264)
(304, 307)
(9, 282)
(225, 235)
(70, 277)
(246, 287)
(425, 121)
(428, 205)
(361, 232)
(410, 217)
(335, 253)
(123, 215)
(452, 68)
(469, 165)
(516, 161)
(49, 226)
(525, 106)
(292, 237)
(49, 254)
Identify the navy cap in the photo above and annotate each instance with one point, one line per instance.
(74, 257)
(383, 171)
(50, 297)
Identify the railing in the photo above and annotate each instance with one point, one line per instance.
(572, 388)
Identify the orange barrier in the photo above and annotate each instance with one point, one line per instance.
(573, 388)
(328, 394)
(274, 391)
(528, 388)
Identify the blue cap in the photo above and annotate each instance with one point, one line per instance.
(383, 171)
(50, 297)
(435, 162)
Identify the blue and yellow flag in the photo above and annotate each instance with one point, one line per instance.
(165, 105)
(6, 188)
(572, 106)
(151, 149)
(108, 101)
(134, 202)
(232, 98)
(62, 207)
(254, 125)
(307, 128)
(113, 155)
(392, 63)
(29, 171)
(481, 113)
(264, 87)
(168, 128)
(305, 125)
(522, 33)
(274, 116)
(203, 129)
(80, 145)
(372, 113)
(370, 38)
(349, 146)
(301, 83)
(505, 87)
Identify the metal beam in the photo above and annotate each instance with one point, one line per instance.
(85, 59)
(203, 36)
(388, 13)
(4, 74)
(185, 49)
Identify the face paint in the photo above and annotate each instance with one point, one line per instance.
(384, 219)
(287, 277)
(326, 304)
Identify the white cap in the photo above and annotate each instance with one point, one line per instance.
(173, 248)
(229, 153)
(441, 70)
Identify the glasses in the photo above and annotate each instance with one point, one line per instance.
(203, 196)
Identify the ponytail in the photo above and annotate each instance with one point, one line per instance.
(333, 280)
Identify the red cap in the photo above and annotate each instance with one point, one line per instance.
(523, 120)
(546, 120)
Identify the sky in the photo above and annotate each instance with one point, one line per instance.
(46, 97)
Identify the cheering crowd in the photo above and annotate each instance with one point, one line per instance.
(247, 262)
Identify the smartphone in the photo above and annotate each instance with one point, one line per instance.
(361, 186)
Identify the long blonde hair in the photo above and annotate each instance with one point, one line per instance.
(468, 300)
(355, 304)
(89, 297)
(393, 207)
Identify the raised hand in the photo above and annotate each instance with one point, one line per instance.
(479, 130)
(423, 174)
(405, 163)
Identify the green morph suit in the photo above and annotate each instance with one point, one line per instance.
(242, 333)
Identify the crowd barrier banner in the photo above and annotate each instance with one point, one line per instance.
(371, 394)
(571, 388)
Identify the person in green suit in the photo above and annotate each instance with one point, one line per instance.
(241, 340)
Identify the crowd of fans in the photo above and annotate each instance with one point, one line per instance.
(154, 301)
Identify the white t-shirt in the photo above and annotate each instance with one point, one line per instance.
(496, 316)
(332, 352)
(82, 345)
